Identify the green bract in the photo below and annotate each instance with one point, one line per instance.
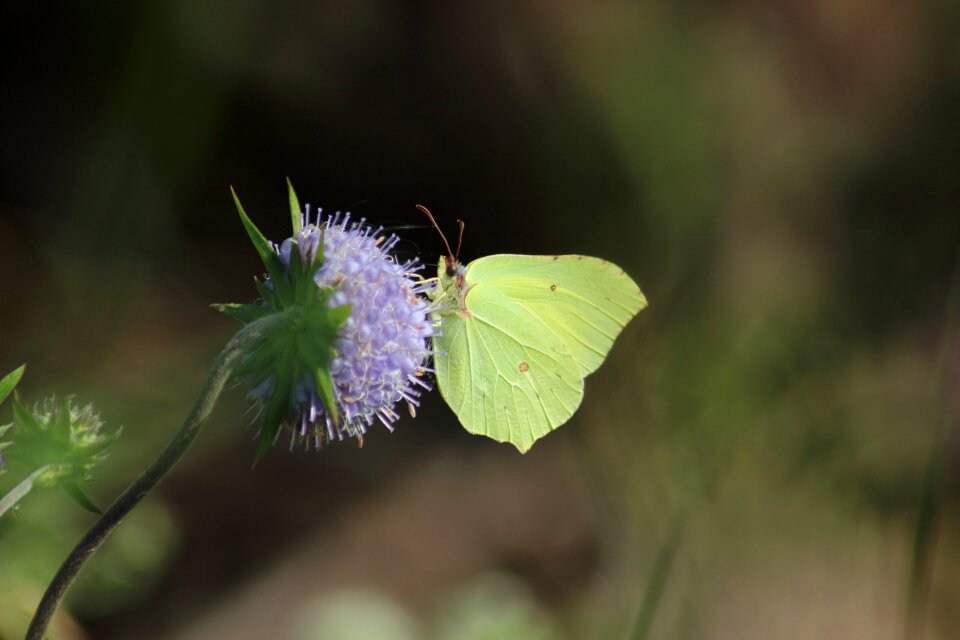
(7, 385)
(63, 439)
(10, 381)
(302, 344)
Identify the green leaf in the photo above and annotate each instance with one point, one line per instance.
(270, 258)
(77, 494)
(295, 216)
(245, 313)
(10, 381)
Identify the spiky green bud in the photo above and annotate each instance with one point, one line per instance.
(66, 440)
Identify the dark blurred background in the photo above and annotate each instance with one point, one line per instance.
(781, 178)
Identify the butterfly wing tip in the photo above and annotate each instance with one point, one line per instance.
(522, 447)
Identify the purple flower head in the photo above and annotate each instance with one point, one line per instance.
(383, 346)
(354, 336)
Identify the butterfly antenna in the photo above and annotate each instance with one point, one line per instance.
(437, 227)
(460, 239)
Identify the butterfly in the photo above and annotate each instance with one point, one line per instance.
(519, 333)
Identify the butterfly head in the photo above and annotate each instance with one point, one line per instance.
(451, 275)
(449, 268)
(450, 272)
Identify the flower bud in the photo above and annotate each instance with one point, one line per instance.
(67, 440)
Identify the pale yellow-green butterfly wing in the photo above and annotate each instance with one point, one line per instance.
(514, 349)
(503, 372)
(585, 301)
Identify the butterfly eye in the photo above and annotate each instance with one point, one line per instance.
(451, 269)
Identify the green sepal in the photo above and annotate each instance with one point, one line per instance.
(325, 390)
(302, 347)
(313, 349)
(270, 427)
(267, 294)
(276, 409)
(318, 259)
(336, 316)
(103, 442)
(258, 367)
(295, 218)
(10, 381)
(25, 418)
(60, 427)
(302, 282)
(270, 258)
(305, 290)
(245, 313)
(339, 315)
(260, 359)
(28, 436)
(75, 492)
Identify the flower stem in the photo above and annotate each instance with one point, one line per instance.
(20, 490)
(181, 441)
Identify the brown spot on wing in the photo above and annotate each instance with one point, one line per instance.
(524, 367)
(553, 287)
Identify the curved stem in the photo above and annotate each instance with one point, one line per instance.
(22, 489)
(219, 374)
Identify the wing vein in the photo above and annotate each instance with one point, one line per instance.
(500, 376)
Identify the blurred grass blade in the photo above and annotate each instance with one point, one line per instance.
(10, 381)
(930, 501)
(656, 584)
(924, 544)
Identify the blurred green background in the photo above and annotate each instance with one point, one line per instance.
(782, 179)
